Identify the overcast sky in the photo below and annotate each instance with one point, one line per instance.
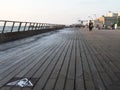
(55, 11)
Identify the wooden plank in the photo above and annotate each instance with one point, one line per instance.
(70, 79)
(14, 59)
(104, 73)
(16, 70)
(99, 66)
(40, 55)
(46, 75)
(95, 75)
(42, 59)
(68, 62)
(31, 71)
(63, 72)
(89, 84)
(53, 78)
(112, 61)
(79, 83)
(110, 69)
(5, 88)
(105, 78)
(41, 66)
(37, 58)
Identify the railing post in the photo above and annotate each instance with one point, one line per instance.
(25, 26)
(33, 26)
(36, 26)
(39, 27)
(44, 26)
(12, 26)
(19, 26)
(4, 26)
(29, 26)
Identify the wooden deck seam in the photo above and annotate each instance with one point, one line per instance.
(59, 54)
(52, 57)
(57, 70)
(96, 78)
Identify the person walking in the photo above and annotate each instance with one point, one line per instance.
(90, 25)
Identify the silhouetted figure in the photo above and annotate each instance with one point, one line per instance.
(90, 25)
(98, 27)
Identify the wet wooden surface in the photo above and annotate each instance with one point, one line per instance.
(68, 59)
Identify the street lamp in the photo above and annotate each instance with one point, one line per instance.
(95, 16)
(116, 22)
(90, 18)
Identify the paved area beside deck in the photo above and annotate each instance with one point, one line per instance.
(67, 59)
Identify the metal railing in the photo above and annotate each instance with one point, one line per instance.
(18, 26)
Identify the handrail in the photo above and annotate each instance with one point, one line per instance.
(18, 26)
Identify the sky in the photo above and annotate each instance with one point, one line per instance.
(55, 11)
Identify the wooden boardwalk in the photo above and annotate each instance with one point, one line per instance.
(68, 59)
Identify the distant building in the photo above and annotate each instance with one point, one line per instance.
(110, 14)
(109, 19)
(118, 13)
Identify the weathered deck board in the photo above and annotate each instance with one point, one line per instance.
(106, 54)
(69, 59)
(79, 80)
(53, 78)
(44, 78)
(62, 75)
(95, 74)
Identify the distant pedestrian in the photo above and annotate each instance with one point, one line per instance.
(98, 27)
(90, 25)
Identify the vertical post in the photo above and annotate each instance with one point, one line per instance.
(36, 26)
(46, 26)
(116, 23)
(33, 26)
(42, 26)
(50, 26)
(25, 26)
(19, 26)
(12, 26)
(4, 26)
(39, 27)
(29, 26)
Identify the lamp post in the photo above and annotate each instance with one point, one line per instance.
(95, 16)
(90, 18)
(116, 22)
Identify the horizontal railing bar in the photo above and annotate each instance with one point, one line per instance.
(17, 26)
(26, 22)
